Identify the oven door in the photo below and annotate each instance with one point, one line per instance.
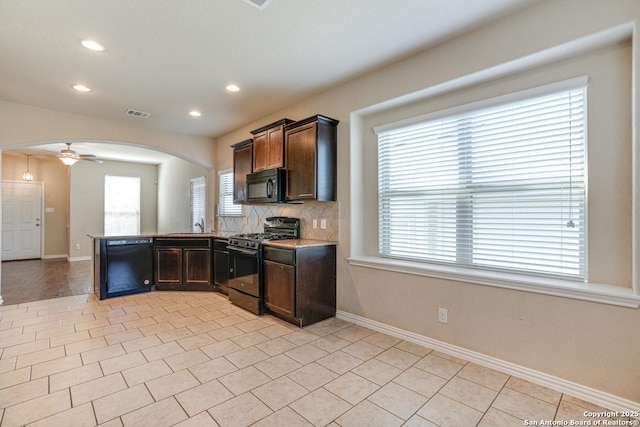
(244, 271)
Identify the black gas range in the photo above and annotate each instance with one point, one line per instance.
(246, 285)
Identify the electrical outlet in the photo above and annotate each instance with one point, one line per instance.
(77, 246)
(257, 221)
(315, 223)
(443, 315)
(323, 224)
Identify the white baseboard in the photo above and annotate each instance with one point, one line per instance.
(55, 256)
(79, 258)
(589, 394)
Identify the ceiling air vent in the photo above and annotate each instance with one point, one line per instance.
(136, 113)
(259, 4)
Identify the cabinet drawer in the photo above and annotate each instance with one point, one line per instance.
(283, 256)
(182, 243)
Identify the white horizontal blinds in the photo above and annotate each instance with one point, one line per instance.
(198, 202)
(121, 204)
(500, 187)
(225, 194)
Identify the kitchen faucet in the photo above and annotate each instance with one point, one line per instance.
(200, 224)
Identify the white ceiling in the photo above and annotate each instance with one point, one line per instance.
(167, 57)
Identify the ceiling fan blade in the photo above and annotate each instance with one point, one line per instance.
(91, 159)
(82, 156)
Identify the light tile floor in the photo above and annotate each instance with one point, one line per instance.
(194, 359)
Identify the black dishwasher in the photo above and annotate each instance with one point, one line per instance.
(126, 266)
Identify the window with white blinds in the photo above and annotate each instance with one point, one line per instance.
(121, 204)
(225, 195)
(498, 187)
(198, 203)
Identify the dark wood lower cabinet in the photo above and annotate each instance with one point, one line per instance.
(281, 289)
(300, 284)
(221, 265)
(183, 265)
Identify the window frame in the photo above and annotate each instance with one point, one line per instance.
(361, 237)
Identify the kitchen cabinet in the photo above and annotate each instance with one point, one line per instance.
(310, 159)
(221, 265)
(242, 165)
(183, 264)
(300, 284)
(268, 146)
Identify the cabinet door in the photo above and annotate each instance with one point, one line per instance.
(221, 270)
(260, 152)
(268, 149)
(300, 158)
(275, 147)
(279, 283)
(169, 266)
(197, 266)
(242, 163)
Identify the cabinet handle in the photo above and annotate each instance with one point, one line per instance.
(269, 188)
(305, 195)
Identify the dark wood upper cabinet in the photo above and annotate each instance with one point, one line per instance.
(242, 165)
(310, 149)
(268, 146)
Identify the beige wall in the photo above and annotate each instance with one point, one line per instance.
(588, 343)
(56, 196)
(174, 195)
(86, 211)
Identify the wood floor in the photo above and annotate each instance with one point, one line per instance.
(35, 280)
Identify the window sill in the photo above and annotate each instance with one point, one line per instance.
(600, 293)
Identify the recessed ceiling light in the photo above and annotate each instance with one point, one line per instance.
(232, 88)
(81, 88)
(90, 44)
(195, 113)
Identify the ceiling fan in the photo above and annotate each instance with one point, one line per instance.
(69, 157)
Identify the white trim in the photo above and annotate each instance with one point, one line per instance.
(79, 258)
(594, 292)
(598, 397)
(56, 256)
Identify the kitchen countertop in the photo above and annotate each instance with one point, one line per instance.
(285, 244)
(217, 235)
(298, 243)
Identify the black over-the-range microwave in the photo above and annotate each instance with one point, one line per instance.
(266, 186)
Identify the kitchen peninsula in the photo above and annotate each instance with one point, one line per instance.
(297, 277)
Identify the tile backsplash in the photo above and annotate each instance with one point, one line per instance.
(253, 217)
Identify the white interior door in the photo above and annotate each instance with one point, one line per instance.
(21, 220)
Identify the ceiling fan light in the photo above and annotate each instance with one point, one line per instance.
(68, 159)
